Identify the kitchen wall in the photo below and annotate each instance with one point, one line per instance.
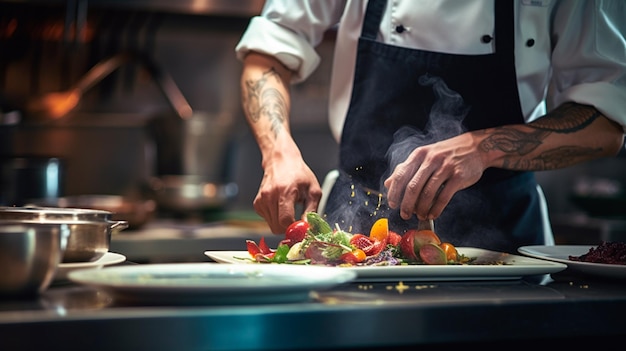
(105, 139)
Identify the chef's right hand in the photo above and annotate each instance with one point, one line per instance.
(284, 185)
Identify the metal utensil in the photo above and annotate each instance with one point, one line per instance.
(58, 104)
(426, 225)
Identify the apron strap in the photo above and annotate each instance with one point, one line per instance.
(373, 16)
(504, 28)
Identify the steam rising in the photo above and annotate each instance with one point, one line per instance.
(445, 121)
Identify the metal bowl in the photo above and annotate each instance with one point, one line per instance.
(190, 193)
(90, 230)
(29, 255)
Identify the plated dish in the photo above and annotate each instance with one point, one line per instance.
(109, 258)
(561, 253)
(210, 283)
(511, 267)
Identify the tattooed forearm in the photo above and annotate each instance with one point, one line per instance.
(551, 159)
(274, 107)
(568, 118)
(263, 101)
(513, 141)
(525, 148)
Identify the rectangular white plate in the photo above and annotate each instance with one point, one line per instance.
(512, 267)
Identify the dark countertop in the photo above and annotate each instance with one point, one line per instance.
(568, 310)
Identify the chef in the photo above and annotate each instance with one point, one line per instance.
(443, 109)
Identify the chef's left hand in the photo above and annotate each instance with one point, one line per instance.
(426, 181)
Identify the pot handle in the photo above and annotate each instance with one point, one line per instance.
(117, 226)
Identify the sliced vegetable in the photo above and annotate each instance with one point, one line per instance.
(393, 238)
(253, 248)
(263, 246)
(353, 257)
(413, 240)
(370, 246)
(317, 224)
(432, 254)
(452, 255)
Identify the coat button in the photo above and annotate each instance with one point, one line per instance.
(486, 38)
(400, 29)
(530, 42)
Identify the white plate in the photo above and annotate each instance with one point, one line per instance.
(561, 253)
(514, 267)
(107, 259)
(210, 283)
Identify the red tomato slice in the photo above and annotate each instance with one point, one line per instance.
(260, 248)
(263, 246)
(253, 248)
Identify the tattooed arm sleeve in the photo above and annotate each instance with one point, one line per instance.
(266, 100)
(568, 135)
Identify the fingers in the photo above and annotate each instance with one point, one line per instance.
(442, 199)
(312, 199)
(278, 209)
(398, 182)
(420, 188)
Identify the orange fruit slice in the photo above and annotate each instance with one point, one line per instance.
(380, 230)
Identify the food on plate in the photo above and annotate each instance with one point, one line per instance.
(606, 252)
(314, 241)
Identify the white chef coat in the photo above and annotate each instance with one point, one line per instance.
(575, 50)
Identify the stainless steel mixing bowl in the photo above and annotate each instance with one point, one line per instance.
(90, 230)
(29, 255)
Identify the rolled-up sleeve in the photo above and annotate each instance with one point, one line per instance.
(589, 56)
(290, 30)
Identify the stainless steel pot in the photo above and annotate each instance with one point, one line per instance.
(90, 230)
(136, 211)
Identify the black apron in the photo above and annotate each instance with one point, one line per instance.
(403, 98)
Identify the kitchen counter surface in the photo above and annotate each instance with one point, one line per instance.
(539, 310)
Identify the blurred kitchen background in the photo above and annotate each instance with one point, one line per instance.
(163, 116)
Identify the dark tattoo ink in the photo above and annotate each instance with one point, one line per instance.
(261, 101)
(568, 118)
(553, 159)
(513, 141)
